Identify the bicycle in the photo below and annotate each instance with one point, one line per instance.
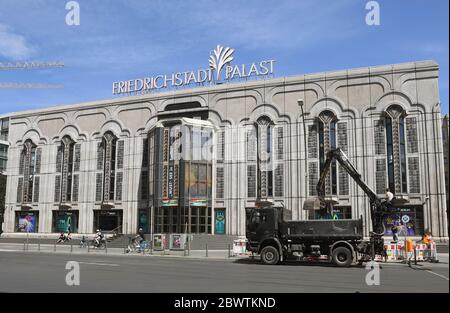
(139, 247)
(100, 245)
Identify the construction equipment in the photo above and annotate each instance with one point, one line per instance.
(272, 234)
(8, 66)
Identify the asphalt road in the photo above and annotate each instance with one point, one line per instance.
(42, 272)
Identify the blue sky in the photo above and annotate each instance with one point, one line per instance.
(127, 39)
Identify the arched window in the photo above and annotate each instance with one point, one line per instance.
(67, 164)
(325, 134)
(327, 141)
(29, 168)
(265, 154)
(396, 151)
(109, 177)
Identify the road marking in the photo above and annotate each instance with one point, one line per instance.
(441, 276)
(100, 264)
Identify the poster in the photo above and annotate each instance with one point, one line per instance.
(158, 242)
(177, 241)
(219, 225)
(65, 221)
(406, 220)
(27, 222)
(143, 221)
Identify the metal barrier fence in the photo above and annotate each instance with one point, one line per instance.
(158, 244)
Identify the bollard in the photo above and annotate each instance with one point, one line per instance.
(106, 246)
(415, 256)
(124, 245)
(189, 246)
(89, 246)
(39, 244)
(24, 243)
(71, 247)
(54, 247)
(206, 250)
(229, 251)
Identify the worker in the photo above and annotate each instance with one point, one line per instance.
(395, 229)
(389, 197)
(409, 246)
(427, 239)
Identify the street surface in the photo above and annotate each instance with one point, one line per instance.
(45, 272)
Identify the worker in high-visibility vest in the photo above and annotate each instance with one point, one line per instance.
(409, 246)
(428, 240)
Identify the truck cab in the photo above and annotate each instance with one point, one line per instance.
(265, 227)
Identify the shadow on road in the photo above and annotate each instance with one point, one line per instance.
(257, 261)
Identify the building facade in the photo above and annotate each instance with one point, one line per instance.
(4, 145)
(193, 160)
(445, 140)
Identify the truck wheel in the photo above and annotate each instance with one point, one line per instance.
(342, 257)
(270, 255)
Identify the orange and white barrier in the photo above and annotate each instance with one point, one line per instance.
(392, 251)
(397, 251)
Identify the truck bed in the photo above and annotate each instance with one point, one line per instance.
(345, 229)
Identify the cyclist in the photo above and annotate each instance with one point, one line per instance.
(98, 238)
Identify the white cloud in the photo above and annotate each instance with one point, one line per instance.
(13, 46)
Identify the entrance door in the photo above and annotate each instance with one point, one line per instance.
(106, 220)
(219, 222)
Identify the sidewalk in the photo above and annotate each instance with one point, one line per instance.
(75, 249)
(193, 254)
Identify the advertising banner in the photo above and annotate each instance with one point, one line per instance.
(177, 241)
(65, 222)
(169, 202)
(158, 242)
(198, 202)
(406, 221)
(219, 225)
(27, 222)
(144, 221)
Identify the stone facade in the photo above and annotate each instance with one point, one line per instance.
(387, 119)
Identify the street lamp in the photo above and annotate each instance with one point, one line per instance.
(301, 103)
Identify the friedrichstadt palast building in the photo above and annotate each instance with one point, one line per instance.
(194, 159)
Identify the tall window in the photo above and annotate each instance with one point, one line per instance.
(396, 151)
(327, 142)
(109, 169)
(67, 165)
(220, 169)
(325, 134)
(30, 168)
(265, 155)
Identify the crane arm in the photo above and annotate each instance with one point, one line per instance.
(378, 207)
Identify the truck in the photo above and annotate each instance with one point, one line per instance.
(272, 234)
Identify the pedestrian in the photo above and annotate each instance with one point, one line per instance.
(61, 238)
(395, 228)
